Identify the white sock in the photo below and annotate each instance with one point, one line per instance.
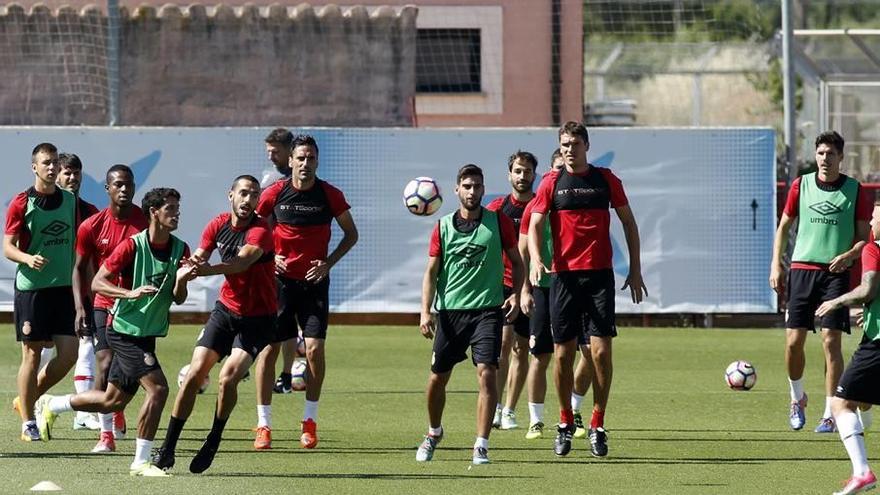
(576, 401)
(84, 371)
(46, 355)
(482, 442)
(866, 416)
(796, 387)
(141, 452)
(536, 412)
(436, 432)
(106, 422)
(506, 410)
(60, 404)
(311, 410)
(827, 413)
(264, 416)
(850, 430)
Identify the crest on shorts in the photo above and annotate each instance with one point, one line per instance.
(149, 359)
(26, 328)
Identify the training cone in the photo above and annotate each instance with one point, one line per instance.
(45, 486)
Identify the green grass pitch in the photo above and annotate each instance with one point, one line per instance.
(674, 427)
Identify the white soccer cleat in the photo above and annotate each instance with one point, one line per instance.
(86, 421)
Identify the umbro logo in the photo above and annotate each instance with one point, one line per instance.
(56, 228)
(825, 208)
(469, 251)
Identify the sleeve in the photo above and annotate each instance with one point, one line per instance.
(209, 236)
(508, 232)
(618, 196)
(526, 220)
(434, 249)
(865, 204)
(870, 258)
(84, 242)
(543, 197)
(260, 237)
(791, 201)
(121, 257)
(267, 201)
(338, 204)
(15, 214)
(495, 204)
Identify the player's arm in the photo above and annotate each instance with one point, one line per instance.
(780, 241)
(321, 268)
(81, 282)
(103, 284)
(14, 254)
(185, 273)
(525, 294)
(535, 239)
(844, 260)
(866, 291)
(429, 288)
(247, 256)
(634, 280)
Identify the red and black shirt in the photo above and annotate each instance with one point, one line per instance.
(513, 209)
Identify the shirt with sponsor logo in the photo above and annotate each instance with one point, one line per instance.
(302, 221)
(513, 209)
(578, 206)
(251, 292)
(99, 234)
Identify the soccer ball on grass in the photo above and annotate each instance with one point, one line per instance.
(740, 375)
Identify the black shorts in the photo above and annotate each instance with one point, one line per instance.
(541, 337)
(43, 313)
(305, 304)
(859, 381)
(99, 317)
(225, 330)
(479, 329)
(133, 357)
(521, 322)
(582, 303)
(807, 289)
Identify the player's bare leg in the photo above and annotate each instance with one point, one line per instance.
(316, 368)
(66, 351)
(485, 411)
(435, 394)
(852, 435)
(265, 374)
(507, 337)
(536, 384)
(26, 382)
(795, 361)
(516, 378)
(600, 348)
(583, 378)
(833, 370)
(563, 374)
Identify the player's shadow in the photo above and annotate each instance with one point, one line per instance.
(367, 476)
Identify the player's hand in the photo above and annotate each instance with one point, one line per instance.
(536, 271)
(827, 307)
(777, 279)
(187, 272)
(510, 306)
(319, 271)
(197, 260)
(427, 325)
(526, 303)
(860, 318)
(144, 290)
(81, 324)
(37, 262)
(636, 287)
(840, 263)
(280, 264)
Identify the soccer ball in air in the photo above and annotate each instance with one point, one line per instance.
(181, 376)
(421, 196)
(298, 378)
(740, 375)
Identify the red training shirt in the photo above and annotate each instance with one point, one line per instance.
(513, 209)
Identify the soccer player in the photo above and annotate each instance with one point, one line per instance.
(857, 388)
(832, 212)
(39, 238)
(278, 151)
(96, 239)
(153, 263)
(242, 322)
(70, 179)
(515, 335)
(577, 200)
(466, 272)
(302, 210)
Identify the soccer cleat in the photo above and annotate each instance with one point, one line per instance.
(579, 430)
(508, 420)
(204, 457)
(859, 484)
(119, 426)
(826, 425)
(163, 458)
(309, 438)
(481, 455)
(598, 442)
(796, 416)
(282, 384)
(536, 430)
(426, 450)
(30, 433)
(148, 470)
(496, 421)
(105, 444)
(86, 421)
(562, 445)
(45, 417)
(264, 438)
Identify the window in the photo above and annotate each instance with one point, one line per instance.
(448, 61)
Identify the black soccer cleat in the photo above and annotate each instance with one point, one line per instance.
(598, 442)
(562, 445)
(282, 384)
(163, 458)
(204, 457)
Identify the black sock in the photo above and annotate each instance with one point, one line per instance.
(286, 379)
(175, 427)
(217, 430)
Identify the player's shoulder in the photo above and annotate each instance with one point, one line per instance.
(221, 218)
(96, 219)
(20, 199)
(328, 187)
(276, 186)
(496, 203)
(606, 172)
(871, 249)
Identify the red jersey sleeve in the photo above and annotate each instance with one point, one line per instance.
(85, 243)
(336, 200)
(618, 196)
(495, 204)
(791, 201)
(870, 257)
(267, 200)
(508, 232)
(121, 257)
(544, 196)
(434, 248)
(209, 235)
(15, 214)
(865, 204)
(260, 237)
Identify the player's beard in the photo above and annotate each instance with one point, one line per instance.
(523, 188)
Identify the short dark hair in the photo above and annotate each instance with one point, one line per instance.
(468, 170)
(69, 160)
(575, 129)
(280, 136)
(158, 197)
(247, 177)
(523, 156)
(557, 153)
(831, 138)
(304, 140)
(119, 167)
(45, 148)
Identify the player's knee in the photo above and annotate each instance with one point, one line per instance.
(314, 352)
(227, 381)
(158, 393)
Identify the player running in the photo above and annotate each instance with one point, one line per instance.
(466, 272)
(577, 200)
(242, 322)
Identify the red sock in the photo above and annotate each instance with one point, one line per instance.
(598, 419)
(566, 417)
